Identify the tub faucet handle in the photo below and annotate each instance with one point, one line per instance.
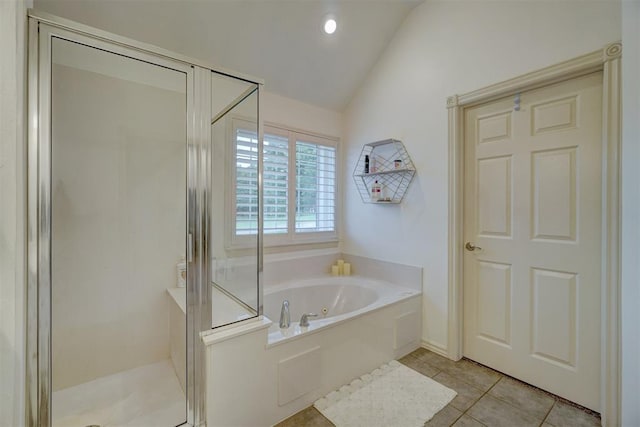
(285, 318)
(304, 320)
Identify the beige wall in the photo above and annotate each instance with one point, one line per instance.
(444, 48)
(290, 112)
(12, 197)
(118, 189)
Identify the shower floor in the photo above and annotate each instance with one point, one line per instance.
(147, 396)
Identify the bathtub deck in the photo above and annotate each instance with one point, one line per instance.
(145, 396)
(485, 397)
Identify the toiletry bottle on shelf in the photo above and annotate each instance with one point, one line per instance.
(373, 165)
(382, 192)
(375, 191)
(366, 163)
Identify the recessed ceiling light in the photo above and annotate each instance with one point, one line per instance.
(330, 26)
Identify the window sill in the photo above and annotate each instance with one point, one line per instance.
(282, 247)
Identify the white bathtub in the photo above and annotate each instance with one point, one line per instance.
(279, 372)
(334, 299)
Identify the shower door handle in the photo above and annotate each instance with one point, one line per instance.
(189, 247)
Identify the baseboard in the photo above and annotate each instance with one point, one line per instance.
(436, 348)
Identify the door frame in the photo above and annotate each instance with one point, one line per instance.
(607, 60)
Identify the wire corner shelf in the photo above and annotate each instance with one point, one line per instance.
(389, 166)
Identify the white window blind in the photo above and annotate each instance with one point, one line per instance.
(246, 182)
(275, 176)
(315, 187)
(300, 186)
(276, 170)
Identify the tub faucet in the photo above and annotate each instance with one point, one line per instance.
(285, 318)
(304, 320)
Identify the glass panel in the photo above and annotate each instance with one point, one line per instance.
(118, 188)
(235, 208)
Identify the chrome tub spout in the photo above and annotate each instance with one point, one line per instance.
(285, 318)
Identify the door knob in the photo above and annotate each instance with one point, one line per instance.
(471, 247)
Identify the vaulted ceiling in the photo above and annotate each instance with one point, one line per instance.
(280, 41)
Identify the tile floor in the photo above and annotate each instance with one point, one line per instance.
(485, 398)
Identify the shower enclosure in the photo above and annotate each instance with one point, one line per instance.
(234, 197)
(128, 226)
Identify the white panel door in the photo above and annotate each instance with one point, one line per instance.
(533, 211)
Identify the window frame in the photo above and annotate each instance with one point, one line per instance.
(291, 237)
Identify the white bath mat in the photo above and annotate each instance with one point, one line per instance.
(392, 395)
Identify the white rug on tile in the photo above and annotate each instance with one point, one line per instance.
(392, 395)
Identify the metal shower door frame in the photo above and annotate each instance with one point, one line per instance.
(43, 28)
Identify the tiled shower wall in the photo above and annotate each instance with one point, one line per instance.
(118, 222)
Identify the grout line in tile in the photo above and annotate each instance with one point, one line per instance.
(507, 403)
(513, 406)
(468, 383)
(459, 416)
(438, 370)
(479, 422)
(545, 420)
(481, 396)
(478, 399)
(549, 411)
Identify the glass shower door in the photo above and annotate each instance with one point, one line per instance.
(118, 189)
(235, 208)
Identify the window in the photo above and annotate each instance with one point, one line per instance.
(300, 186)
(315, 187)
